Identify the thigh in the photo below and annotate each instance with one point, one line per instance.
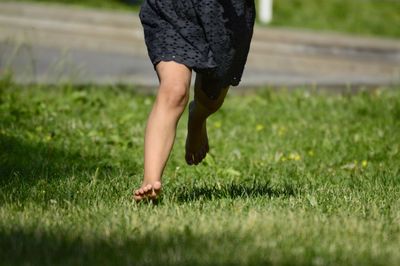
(173, 74)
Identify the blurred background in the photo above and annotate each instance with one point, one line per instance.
(333, 44)
(367, 17)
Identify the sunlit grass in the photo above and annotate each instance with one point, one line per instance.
(364, 17)
(294, 178)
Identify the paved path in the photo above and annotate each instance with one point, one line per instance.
(43, 43)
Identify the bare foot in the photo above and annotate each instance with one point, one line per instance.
(148, 190)
(197, 140)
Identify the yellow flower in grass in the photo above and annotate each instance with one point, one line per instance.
(48, 138)
(217, 124)
(282, 131)
(364, 163)
(294, 156)
(259, 127)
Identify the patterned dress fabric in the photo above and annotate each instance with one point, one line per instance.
(212, 37)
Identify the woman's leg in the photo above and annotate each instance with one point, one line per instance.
(199, 109)
(172, 98)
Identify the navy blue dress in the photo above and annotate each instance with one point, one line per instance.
(212, 37)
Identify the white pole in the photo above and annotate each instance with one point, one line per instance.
(265, 11)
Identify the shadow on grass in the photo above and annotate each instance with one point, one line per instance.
(38, 160)
(38, 173)
(36, 247)
(245, 189)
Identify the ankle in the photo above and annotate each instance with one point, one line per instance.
(151, 180)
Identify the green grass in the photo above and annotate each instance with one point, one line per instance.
(363, 17)
(294, 178)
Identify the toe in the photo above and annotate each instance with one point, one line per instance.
(203, 152)
(149, 191)
(141, 191)
(197, 159)
(137, 198)
(189, 158)
(147, 188)
(203, 155)
(156, 188)
(136, 195)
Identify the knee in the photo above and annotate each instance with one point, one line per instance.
(174, 96)
(212, 105)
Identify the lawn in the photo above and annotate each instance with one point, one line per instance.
(362, 17)
(293, 178)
